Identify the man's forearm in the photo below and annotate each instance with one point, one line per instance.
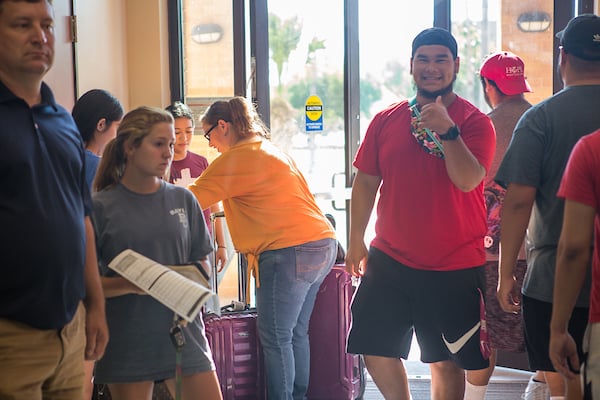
(568, 281)
(364, 191)
(464, 170)
(572, 260)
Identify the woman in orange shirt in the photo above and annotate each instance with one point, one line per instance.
(274, 220)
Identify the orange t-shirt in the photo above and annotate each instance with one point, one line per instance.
(267, 201)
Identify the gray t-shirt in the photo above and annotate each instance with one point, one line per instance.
(536, 156)
(168, 227)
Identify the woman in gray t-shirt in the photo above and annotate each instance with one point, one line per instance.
(136, 209)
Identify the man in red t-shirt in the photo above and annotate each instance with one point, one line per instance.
(427, 157)
(580, 187)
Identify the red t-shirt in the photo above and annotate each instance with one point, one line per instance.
(424, 221)
(581, 183)
(196, 164)
(192, 161)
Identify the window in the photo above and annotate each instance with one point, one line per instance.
(354, 56)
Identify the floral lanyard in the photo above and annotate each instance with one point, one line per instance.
(428, 139)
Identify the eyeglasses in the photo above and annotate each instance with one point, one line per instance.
(207, 133)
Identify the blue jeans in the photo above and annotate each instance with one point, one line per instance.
(289, 281)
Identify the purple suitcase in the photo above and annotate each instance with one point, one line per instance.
(236, 350)
(334, 374)
(233, 340)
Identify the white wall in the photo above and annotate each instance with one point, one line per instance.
(122, 47)
(148, 53)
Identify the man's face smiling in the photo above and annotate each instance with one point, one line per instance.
(434, 70)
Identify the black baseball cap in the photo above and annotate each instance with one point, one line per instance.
(581, 37)
(433, 36)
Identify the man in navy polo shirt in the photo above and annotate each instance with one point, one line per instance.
(51, 300)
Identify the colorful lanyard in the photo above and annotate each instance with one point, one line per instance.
(428, 139)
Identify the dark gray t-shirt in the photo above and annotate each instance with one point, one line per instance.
(536, 156)
(168, 227)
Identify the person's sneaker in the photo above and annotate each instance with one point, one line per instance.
(536, 391)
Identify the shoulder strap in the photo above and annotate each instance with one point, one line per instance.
(428, 139)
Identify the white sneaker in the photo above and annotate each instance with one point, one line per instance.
(536, 391)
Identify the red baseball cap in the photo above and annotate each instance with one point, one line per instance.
(507, 70)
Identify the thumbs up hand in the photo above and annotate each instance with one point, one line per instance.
(434, 116)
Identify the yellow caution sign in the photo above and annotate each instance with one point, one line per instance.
(314, 114)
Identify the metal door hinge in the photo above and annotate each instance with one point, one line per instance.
(73, 28)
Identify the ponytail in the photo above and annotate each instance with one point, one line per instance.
(134, 127)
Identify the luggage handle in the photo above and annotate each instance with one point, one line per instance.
(235, 306)
(241, 303)
(213, 276)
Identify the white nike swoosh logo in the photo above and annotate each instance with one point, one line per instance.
(455, 347)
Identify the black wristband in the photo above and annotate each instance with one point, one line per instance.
(452, 134)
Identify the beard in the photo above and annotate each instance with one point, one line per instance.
(433, 95)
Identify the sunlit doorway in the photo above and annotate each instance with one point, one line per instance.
(306, 64)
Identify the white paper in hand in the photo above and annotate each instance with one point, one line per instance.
(182, 295)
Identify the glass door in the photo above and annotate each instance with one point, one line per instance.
(306, 67)
(313, 49)
(385, 49)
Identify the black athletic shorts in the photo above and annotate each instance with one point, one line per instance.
(536, 318)
(443, 308)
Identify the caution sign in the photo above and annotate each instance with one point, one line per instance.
(314, 114)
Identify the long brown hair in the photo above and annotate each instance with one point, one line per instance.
(135, 126)
(240, 113)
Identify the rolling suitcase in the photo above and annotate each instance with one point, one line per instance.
(334, 374)
(233, 339)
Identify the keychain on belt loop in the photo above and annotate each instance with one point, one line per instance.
(178, 340)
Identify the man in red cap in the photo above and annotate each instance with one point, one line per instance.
(531, 172)
(504, 84)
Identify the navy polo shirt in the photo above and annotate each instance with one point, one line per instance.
(43, 201)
